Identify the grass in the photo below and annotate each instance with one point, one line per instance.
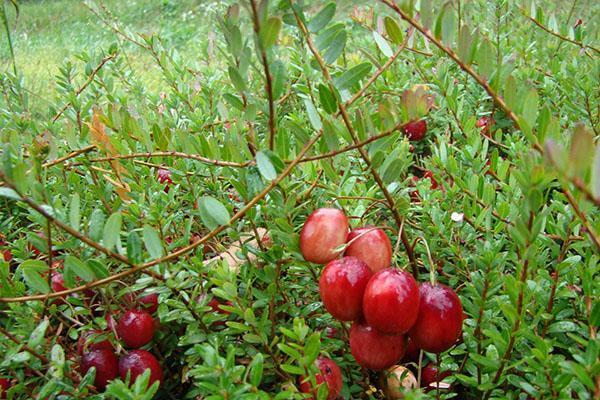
(50, 32)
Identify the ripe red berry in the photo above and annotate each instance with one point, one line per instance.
(136, 328)
(136, 362)
(439, 323)
(89, 341)
(373, 349)
(4, 386)
(342, 285)
(485, 124)
(391, 301)
(370, 245)
(5, 254)
(324, 230)
(412, 352)
(164, 176)
(148, 302)
(330, 374)
(415, 130)
(106, 363)
(57, 282)
(431, 374)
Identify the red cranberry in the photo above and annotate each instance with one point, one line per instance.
(331, 332)
(136, 328)
(7, 255)
(88, 341)
(37, 252)
(164, 176)
(391, 301)
(342, 285)
(136, 362)
(440, 318)
(370, 245)
(215, 305)
(4, 386)
(107, 367)
(324, 231)
(485, 124)
(373, 349)
(431, 374)
(415, 130)
(148, 302)
(330, 374)
(57, 282)
(412, 352)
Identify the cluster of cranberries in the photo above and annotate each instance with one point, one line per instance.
(135, 329)
(387, 305)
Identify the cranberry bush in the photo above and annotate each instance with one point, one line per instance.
(151, 243)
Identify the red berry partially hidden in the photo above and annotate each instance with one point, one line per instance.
(370, 245)
(412, 352)
(4, 386)
(431, 374)
(485, 124)
(373, 349)
(330, 374)
(136, 328)
(164, 176)
(88, 341)
(391, 301)
(150, 302)
(136, 362)
(342, 285)
(439, 323)
(415, 130)
(324, 230)
(107, 367)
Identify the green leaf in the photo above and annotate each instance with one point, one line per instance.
(256, 368)
(37, 336)
(265, 166)
(312, 347)
(74, 211)
(581, 151)
(330, 135)
(393, 30)
(95, 224)
(212, 212)
(352, 76)
(79, 268)
(486, 58)
(112, 230)
(134, 247)
(9, 193)
(236, 79)
(313, 115)
(323, 17)
(31, 270)
(596, 173)
(382, 44)
(332, 42)
(152, 242)
(328, 99)
(270, 31)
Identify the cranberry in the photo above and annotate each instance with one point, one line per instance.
(136, 328)
(106, 365)
(136, 362)
(439, 323)
(330, 374)
(148, 302)
(4, 386)
(485, 124)
(412, 352)
(415, 130)
(324, 231)
(215, 305)
(88, 341)
(370, 245)
(342, 285)
(431, 374)
(373, 349)
(164, 176)
(391, 301)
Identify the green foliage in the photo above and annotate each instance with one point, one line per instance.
(181, 85)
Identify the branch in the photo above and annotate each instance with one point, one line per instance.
(177, 154)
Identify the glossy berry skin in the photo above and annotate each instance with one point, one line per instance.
(370, 245)
(330, 374)
(88, 341)
(391, 301)
(4, 386)
(431, 374)
(106, 363)
(324, 230)
(342, 286)
(373, 349)
(148, 302)
(164, 176)
(136, 362)
(415, 130)
(57, 282)
(136, 328)
(439, 323)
